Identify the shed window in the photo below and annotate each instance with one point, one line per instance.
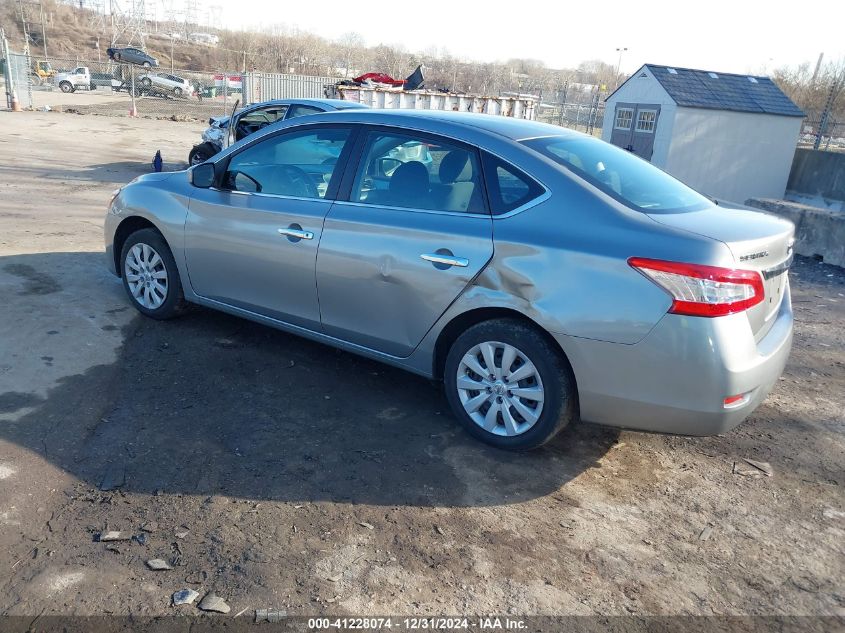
(646, 120)
(624, 116)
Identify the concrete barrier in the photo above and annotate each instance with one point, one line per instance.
(818, 232)
(818, 174)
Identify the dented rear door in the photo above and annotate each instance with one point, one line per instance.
(374, 286)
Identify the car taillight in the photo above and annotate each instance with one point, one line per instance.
(707, 291)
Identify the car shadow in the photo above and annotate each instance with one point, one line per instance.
(118, 172)
(209, 404)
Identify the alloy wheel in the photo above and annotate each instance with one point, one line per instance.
(146, 276)
(500, 388)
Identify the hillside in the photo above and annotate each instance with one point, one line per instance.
(78, 34)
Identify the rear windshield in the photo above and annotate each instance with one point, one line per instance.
(622, 175)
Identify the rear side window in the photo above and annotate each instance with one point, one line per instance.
(302, 110)
(508, 187)
(412, 171)
(620, 174)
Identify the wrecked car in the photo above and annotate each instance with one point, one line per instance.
(256, 117)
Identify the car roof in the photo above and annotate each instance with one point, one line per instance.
(328, 104)
(508, 127)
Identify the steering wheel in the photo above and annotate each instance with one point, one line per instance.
(245, 128)
(296, 182)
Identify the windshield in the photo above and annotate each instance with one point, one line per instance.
(620, 174)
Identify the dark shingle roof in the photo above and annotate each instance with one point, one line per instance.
(726, 91)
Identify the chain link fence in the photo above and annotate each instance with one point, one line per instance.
(18, 66)
(575, 116)
(119, 89)
(833, 136)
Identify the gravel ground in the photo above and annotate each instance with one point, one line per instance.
(280, 473)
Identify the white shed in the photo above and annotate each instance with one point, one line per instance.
(728, 136)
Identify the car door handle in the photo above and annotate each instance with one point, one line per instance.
(446, 260)
(297, 233)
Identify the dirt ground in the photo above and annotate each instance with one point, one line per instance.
(280, 473)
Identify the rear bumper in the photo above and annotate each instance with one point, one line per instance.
(676, 379)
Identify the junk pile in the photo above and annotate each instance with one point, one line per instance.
(414, 81)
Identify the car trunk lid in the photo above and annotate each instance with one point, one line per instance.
(757, 241)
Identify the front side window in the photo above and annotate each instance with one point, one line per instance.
(403, 170)
(646, 120)
(297, 164)
(622, 175)
(251, 122)
(624, 116)
(508, 187)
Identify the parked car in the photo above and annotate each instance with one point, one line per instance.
(541, 274)
(169, 84)
(73, 80)
(132, 56)
(256, 117)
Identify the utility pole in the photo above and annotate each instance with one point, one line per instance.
(11, 93)
(818, 68)
(23, 25)
(43, 30)
(619, 64)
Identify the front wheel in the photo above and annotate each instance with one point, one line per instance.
(201, 153)
(147, 65)
(150, 276)
(509, 385)
(66, 86)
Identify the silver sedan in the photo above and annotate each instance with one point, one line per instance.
(542, 275)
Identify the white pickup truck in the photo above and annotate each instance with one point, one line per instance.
(75, 79)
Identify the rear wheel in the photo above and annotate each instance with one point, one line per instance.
(177, 92)
(150, 276)
(508, 385)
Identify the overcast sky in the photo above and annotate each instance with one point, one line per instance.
(742, 36)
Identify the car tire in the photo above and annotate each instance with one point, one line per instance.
(117, 57)
(147, 65)
(66, 86)
(507, 408)
(177, 92)
(146, 81)
(201, 153)
(144, 275)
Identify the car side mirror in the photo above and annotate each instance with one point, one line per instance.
(202, 176)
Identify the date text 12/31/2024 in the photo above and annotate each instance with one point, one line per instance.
(491, 623)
